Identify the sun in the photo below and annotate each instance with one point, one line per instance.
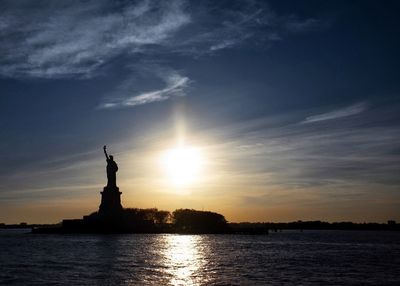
(182, 165)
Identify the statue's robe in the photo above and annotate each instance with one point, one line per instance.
(112, 169)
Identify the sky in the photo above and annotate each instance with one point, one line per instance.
(293, 105)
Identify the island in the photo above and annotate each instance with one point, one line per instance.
(111, 217)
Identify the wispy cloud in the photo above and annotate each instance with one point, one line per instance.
(294, 156)
(80, 39)
(74, 38)
(174, 86)
(338, 113)
(220, 26)
(213, 27)
(293, 24)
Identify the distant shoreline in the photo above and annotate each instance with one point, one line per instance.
(248, 227)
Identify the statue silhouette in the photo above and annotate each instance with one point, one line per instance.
(112, 169)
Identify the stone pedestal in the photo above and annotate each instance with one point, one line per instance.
(110, 201)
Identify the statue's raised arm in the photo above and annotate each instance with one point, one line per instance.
(105, 152)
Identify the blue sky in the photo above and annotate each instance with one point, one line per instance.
(295, 103)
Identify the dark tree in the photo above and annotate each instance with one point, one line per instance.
(193, 221)
(153, 214)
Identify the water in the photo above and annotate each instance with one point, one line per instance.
(288, 258)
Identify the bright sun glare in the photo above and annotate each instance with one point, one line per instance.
(182, 164)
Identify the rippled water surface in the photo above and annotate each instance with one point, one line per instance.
(287, 258)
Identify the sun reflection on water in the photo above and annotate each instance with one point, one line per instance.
(184, 259)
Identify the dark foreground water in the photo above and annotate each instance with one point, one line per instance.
(288, 258)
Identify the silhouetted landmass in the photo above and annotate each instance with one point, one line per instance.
(315, 225)
(249, 228)
(133, 220)
(196, 222)
(26, 225)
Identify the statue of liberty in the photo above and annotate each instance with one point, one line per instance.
(112, 169)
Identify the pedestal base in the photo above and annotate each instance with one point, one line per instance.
(110, 201)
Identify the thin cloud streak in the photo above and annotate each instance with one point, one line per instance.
(338, 113)
(295, 25)
(175, 85)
